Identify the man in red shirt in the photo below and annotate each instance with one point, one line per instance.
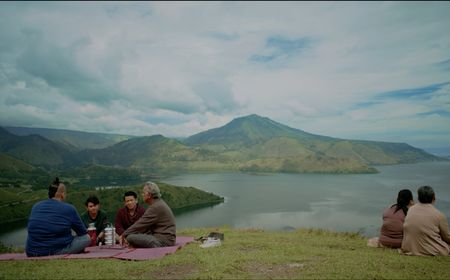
(129, 214)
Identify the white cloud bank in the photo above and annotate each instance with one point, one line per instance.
(178, 68)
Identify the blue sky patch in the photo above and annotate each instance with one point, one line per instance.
(444, 65)
(287, 46)
(441, 113)
(422, 93)
(280, 47)
(363, 105)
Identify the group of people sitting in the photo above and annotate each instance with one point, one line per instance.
(415, 228)
(52, 221)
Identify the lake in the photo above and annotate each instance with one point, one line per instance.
(351, 202)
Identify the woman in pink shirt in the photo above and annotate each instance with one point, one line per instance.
(391, 233)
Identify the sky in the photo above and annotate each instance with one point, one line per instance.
(354, 70)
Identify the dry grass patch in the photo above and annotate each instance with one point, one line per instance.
(173, 271)
(275, 271)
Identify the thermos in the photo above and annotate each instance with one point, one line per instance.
(110, 235)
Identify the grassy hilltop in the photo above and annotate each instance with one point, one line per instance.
(250, 254)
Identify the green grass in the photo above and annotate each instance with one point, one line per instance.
(250, 254)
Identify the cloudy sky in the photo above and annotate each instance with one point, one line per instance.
(356, 70)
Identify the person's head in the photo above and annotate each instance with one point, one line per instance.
(426, 194)
(150, 191)
(92, 205)
(404, 200)
(130, 200)
(57, 190)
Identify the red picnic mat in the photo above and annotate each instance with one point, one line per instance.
(115, 251)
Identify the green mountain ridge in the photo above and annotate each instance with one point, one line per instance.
(15, 172)
(250, 143)
(272, 146)
(74, 140)
(35, 150)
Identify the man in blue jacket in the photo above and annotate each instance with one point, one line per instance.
(51, 223)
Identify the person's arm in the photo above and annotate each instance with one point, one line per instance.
(119, 222)
(143, 224)
(85, 219)
(102, 225)
(141, 211)
(443, 228)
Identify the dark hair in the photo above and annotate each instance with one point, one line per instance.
(53, 188)
(93, 199)
(426, 194)
(403, 199)
(130, 193)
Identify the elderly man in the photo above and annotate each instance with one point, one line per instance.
(51, 223)
(425, 231)
(156, 228)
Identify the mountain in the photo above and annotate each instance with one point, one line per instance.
(15, 172)
(75, 140)
(99, 175)
(248, 131)
(14, 168)
(35, 150)
(250, 143)
(153, 154)
(266, 145)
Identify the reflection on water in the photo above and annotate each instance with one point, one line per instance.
(16, 238)
(284, 201)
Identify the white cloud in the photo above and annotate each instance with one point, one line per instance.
(179, 68)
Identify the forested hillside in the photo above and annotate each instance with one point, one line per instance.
(16, 202)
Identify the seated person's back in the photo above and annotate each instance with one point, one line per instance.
(391, 233)
(51, 223)
(426, 228)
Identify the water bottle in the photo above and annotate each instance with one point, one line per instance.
(110, 235)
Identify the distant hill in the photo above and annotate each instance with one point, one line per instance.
(14, 168)
(16, 203)
(441, 151)
(250, 143)
(98, 175)
(271, 146)
(15, 172)
(147, 152)
(35, 150)
(77, 140)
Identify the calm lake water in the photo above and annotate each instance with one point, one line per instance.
(283, 201)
